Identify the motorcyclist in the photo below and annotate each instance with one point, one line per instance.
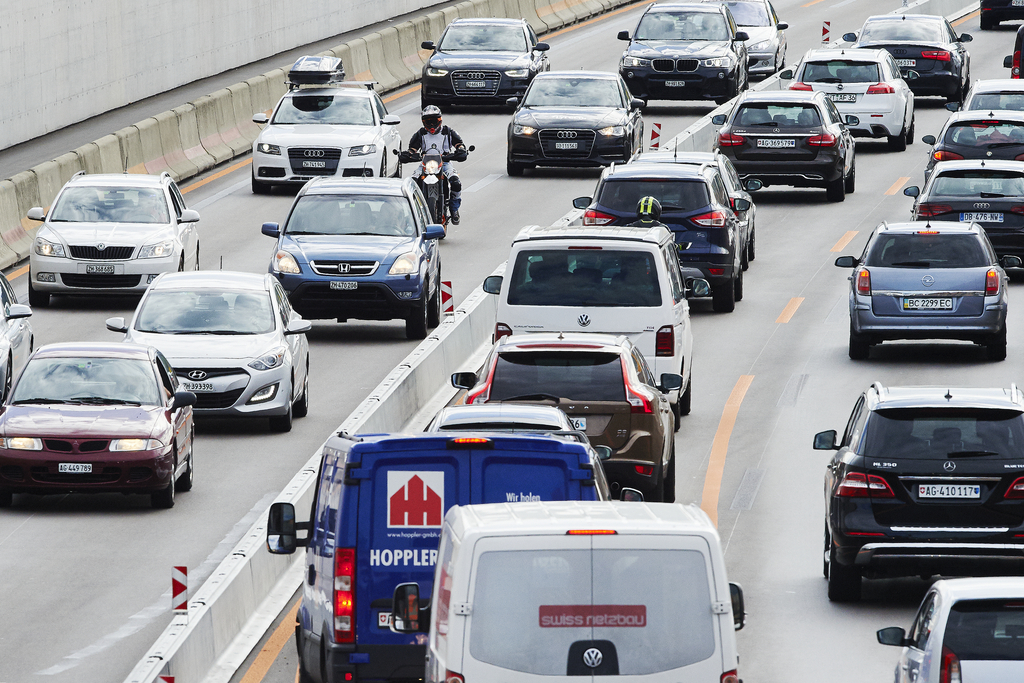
(435, 135)
(648, 213)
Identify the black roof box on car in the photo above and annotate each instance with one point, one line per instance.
(316, 71)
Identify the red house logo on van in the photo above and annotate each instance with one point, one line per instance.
(415, 499)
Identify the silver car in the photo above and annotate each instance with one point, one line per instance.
(500, 417)
(233, 339)
(766, 42)
(16, 338)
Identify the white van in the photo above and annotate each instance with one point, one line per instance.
(617, 280)
(549, 592)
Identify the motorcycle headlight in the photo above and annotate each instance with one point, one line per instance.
(268, 148)
(362, 150)
(517, 73)
(722, 62)
(123, 445)
(431, 71)
(270, 360)
(617, 131)
(22, 443)
(406, 264)
(432, 166)
(45, 248)
(762, 45)
(518, 129)
(635, 61)
(159, 250)
(286, 263)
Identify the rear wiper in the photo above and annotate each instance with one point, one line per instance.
(970, 454)
(914, 264)
(672, 208)
(533, 397)
(993, 145)
(760, 123)
(827, 79)
(991, 195)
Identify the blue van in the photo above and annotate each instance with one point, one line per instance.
(376, 519)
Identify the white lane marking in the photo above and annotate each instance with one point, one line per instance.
(483, 182)
(405, 109)
(220, 195)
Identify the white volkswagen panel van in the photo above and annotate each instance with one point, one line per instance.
(616, 280)
(549, 592)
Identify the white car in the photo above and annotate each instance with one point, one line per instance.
(965, 630)
(866, 84)
(993, 93)
(111, 234)
(766, 37)
(323, 128)
(16, 340)
(233, 340)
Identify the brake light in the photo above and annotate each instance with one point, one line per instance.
(452, 677)
(925, 210)
(950, 671)
(1015, 71)
(937, 55)
(592, 217)
(484, 392)
(469, 443)
(880, 89)
(730, 140)
(716, 271)
(864, 282)
(590, 532)
(801, 86)
(943, 155)
(992, 282)
(665, 341)
(859, 485)
(823, 140)
(730, 677)
(644, 470)
(502, 330)
(1019, 209)
(344, 595)
(712, 219)
(1016, 490)
(638, 402)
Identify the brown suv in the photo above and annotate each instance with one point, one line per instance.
(603, 383)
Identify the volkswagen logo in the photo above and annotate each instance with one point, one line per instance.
(197, 375)
(927, 281)
(313, 153)
(566, 134)
(100, 246)
(583, 320)
(949, 466)
(344, 267)
(982, 205)
(592, 657)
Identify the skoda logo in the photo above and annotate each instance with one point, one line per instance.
(313, 153)
(566, 134)
(927, 281)
(982, 205)
(197, 375)
(949, 466)
(593, 657)
(100, 246)
(344, 267)
(583, 320)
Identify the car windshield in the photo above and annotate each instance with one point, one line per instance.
(942, 433)
(574, 92)
(584, 278)
(987, 134)
(674, 195)
(1009, 101)
(110, 205)
(336, 110)
(901, 30)
(974, 183)
(91, 381)
(840, 71)
(323, 214)
(749, 13)
(483, 39)
(990, 630)
(682, 26)
(585, 376)
(778, 115)
(206, 311)
(929, 250)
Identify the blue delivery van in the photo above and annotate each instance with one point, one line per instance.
(375, 522)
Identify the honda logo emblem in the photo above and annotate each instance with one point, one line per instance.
(949, 465)
(313, 153)
(344, 267)
(566, 134)
(592, 657)
(197, 375)
(982, 205)
(583, 320)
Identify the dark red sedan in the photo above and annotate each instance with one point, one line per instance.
(90, 418)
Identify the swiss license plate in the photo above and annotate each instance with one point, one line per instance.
(75, 467)
(337, 284)
(579, 423)
(567, 145)
(948, 491)
(981, 217)
(675, 84)
(906, 62)
(476, 84)
(314, 164)
(1017, 3)
(843, 96)
(927, 304)
(384, 619)
(775, 142)
(198, 386)
(95, 269)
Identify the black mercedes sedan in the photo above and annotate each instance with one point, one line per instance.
(923, 43)
(980, 134)
(482, 61)
(574, 118)
(686, 52)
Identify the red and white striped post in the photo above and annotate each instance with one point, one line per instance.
(179, 590)
(167, 679)
(447, 301)
(826, 30)
(655, 135)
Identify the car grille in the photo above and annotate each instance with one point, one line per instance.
(62, 446)
(224, 399)
(182, 373)
(103, 475)
(686, 64)
(344, 267)
(100, 281)
(667, 65)
(12, 472)
(108, 254)
(663, 64)
(549, 138)
(462, 79)
(328, 155)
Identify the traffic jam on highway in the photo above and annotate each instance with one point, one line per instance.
(533, 528)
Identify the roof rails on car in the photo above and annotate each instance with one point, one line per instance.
(1015, 395)
(78, 173)
(879, 388)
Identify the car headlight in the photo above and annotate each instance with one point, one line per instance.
(22, 443)
(763, 45)
(286, 263)
(635, 61)
(159, 250)
(431, 71)
(523, 130)
(270, 360)
(722, 62)
(362, 150)
(268, 148)
(44, 248)
(617, 131)
(517, 73)
(127, 445)
(405, 264)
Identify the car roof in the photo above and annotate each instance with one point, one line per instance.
(885, 398)
(679, 157)
(390, 187)
(942, 227)
(577, 74)
(980, 588)
(212, 279)
(875, 54)
(503, 413)
(976, 114)
(896, 17)
(583, 342)
(678, 6)
(618, 233)
(489, 21)
(647, 169)
(94, 349)
(351, 89)
(977, 165)
(119, 179)
(782, 96)
(998, 84)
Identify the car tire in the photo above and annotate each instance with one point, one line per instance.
(282, 423)
(181, 262)
(8, 375)
(910, 131)
(843, 581)
(737, 286)
(685, 400)
(416, 321)
(860, 347)
(988, 24)
(744, 261)
(723, 298)
(656, 492)
(670, 477)
(995, 349)
(835, 191)
(258, 187)
(6, 498)
(197, 257)
(513, 169)
(383, 173)
(850, 182)
(301, 408)
(826, 549)
(186, 480)
(750, 245)
(37, 299)
(164, 498)
(434, 307)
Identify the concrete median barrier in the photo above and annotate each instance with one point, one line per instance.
(393, 57)
(89, 156)
(409, 43)
(259, 94)
(546, 11)
(152, 151)
(436, 23)
(527, 9)
(110, 154)
(227, 125)
(26, 192)
(450, 14)
(360, 69)
(276, 85)
(12, 232)
(241, 104)
(378, 63)
(188, 130)
(174, 151)
(209, 129)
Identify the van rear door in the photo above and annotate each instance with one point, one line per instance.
(524, 469)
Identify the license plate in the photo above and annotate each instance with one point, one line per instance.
(1017, 3)
(982, 217)
(336, 284)
(92, 269)
(384, 619)
(579, 423)
(314, 164)
(927, 304)
(906, 62)
(567, 145)
(843, 96)
(675, 84)
(75, 467)
(198, 386)
(948, 491)
(773, 142)
(476, 84)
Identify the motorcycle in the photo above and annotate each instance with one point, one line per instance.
(432, 182)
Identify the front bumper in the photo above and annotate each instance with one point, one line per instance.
(817, 172)
(593, 149)
(313, 298)
(764, 64)
(278, 169)
(706, 83)
(69, 275)
(230, 385)
(37, 471)
(498, 88)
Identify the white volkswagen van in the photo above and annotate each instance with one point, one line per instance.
(550, 592)
(617, 280)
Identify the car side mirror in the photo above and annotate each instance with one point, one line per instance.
(953, 106)
(492, 284)
(739, 612)
(825, 441)
(36, 213)
(740, 204)
(623, 35)
(636, 103)
(282, 537)
(752, 185)
(434, 231)
(928, 139)
(464, 380)
(893, 635)
(1008, 261)
(742, 36)
(965, 38)
(582, 202)
(603, 452)
(18, 311)
(271, 229)
(850, 37)
(1008, 62)
(670, 381)
(541, 47)
(910, 75)
(786, 75)
(512, 102)
(847, 262)
(182, 399)
(427, 45)
(852, 120)
(406, 613)
(718, 119)
(697, 288)
(116, 325)
(391, 120)
(912, 191)
(298, 327)
(260, 118)
(782, 26)
(189, 216)
(629, 495)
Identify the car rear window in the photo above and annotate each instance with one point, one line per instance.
(903, 31)
(564, 374)
(674, 195)
(778, 115)
(941, 433)
(840, 71)
(987, 134)
(1012, 101)
(584, 277)
(928, 251)
(984, 184)
(986, 629)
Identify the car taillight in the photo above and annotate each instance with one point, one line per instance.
(592, 217)
(1015, 71)
(638, 401)
(501, 330)
(880, 89)
(823, 140)
(730, 677)
(665, 341)
(864, 282)
(927, 209)
(943, 155)
(937, 55)
(950, 670)
(645, 470)
(1019, 209)
(716, 271)
(452, 677)
(730, 140)
(712, 219)
(991, 282)
(344, 595)
(859, 485)
(1016, 489)
(801, 86)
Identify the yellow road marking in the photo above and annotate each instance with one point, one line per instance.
(17, 273)
(967, 18)
(270, 652)
(897, 186)
(790, 309)
(401, 93)
(597, 18)
(843, 241)
(720, 448)
(215, 176)
(813, 2)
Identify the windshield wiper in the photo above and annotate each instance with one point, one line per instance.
(970, 454)
(221, 332)
(101, 400)
(28, 401)
(913, 264)
(533, 397)
(991, 195)
(760, 123)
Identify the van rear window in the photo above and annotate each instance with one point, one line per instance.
(584, 277)
(941, 433)
(986, 630)
(581, 376)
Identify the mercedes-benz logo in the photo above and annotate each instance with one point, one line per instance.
(197, 375)
(927, 281)
(100, 246)
(949, 465)
(982, 205)
(592, 657)
(566, 134)
(344, 267)
(313, 153)
(583, 320)
(776, 130)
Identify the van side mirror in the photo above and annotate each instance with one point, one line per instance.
(407, 616)
(718, 119)
(464, 380)
(782, 26)
(116, 325)
(182, 399)
(850, 37)
(271, 229)
(636, 103)
(260, 118)
(911, 191)
(603, 452)
(1008, 261)
(739, 613)
(427, 45)
(512, 102)
(928, 139)
(631, 495)
(492, 284)
(670, 382)
(697, 288)
(740, 204)
(434, 231)
(953, 106)
(581, 202)
(846, 262)
(752, 185)
(391, 120)
(36, 213)
(281, 529)
(298, 327)
(825, 441)
(893, 635)
(189, 216)
(1008, 62)
(786, 75)
(623, 35)
(21, 311)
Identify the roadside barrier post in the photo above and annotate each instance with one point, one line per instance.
(179, 590)
(825, 31)
(655, 135)
(447, 302)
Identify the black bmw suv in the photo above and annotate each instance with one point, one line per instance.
(925, 480)
(686, 52)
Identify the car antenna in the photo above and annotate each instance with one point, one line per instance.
(949, 395)
(561, 336)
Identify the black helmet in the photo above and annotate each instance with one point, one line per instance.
(431, 118)
(648, 209)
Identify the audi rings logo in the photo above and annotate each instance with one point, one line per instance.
(473, 75)
(583, 320)
(982, 205)
(313, 153)
(592, 657)
(566, 134)
(197, 375)
(899, 51)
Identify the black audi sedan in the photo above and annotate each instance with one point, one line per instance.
(977, 135)
(923, 43)
(686, 52)
(574, 118)
(482, 61)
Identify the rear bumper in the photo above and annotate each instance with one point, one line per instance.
(813, 173)
(950, 558)
(974, 328)
(370, 662)
(943, 84)
(1002, 13)
(622, 473)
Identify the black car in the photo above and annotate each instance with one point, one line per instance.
(574, 118)
(794, 138)
(686, 52)
(1012, 62)
(977, 135)
(482, 61)
(995, 11)
(694, 205)
(925, 480)
(923, 43)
